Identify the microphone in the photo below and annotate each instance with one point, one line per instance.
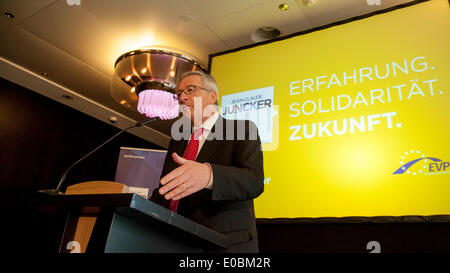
(57, 191)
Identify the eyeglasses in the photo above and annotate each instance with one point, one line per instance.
(189, 90)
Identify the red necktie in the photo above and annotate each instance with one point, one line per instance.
(190, 154)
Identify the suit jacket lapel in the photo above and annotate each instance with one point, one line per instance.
(179, 147)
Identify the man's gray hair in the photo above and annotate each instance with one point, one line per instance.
(208, 81)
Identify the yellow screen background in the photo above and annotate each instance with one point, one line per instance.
(352, 174)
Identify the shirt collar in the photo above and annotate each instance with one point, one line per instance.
(209, 123)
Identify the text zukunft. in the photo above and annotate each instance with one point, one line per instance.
(343, 126)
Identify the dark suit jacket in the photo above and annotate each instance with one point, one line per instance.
(237, 163)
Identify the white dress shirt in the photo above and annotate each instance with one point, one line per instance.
(207, 126)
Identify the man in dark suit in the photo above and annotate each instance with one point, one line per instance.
(221, 170)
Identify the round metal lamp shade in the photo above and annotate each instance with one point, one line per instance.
(144, 80)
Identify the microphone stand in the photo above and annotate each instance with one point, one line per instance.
(57, 191)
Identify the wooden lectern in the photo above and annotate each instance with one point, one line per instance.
(103, 217)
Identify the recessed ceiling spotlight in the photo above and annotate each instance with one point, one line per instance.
(8, 15)
(310, 3)
(283, 7)
(113, 119)
(264, 33)
(67, 97)
(187, 19)
(73, 2)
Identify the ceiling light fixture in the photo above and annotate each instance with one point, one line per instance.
(283, 7)
(264, 34)
(309, 3)
(73, 2)
(8, 15)
(144, 80)
(187, 19)
(67, 97)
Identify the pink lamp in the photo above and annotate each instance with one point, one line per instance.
(157, 103)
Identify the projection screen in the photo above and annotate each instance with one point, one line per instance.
(354, 118)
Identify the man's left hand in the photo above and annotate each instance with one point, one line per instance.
(188, 178)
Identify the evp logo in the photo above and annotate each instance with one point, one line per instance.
(415, 162)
